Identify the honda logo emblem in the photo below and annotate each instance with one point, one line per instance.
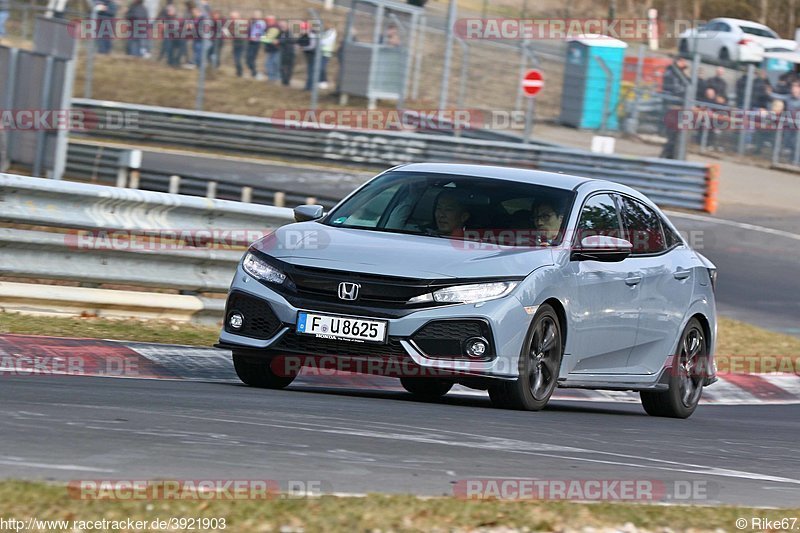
(348, 291)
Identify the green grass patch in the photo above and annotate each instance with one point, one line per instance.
(375, 512)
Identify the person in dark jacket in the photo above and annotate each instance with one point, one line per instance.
(309, 44)
(106, 11)
(134, 15)
(287, 44)
(674, 86)
(719, 85)
(257, 29)
(239, 31)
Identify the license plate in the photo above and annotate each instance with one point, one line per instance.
(342, 328)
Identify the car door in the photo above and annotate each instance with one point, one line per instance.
(605, 308)
(666, 288)
(705, 40)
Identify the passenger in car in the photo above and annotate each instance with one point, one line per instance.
(547, 219)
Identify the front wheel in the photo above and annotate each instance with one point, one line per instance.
(259, 373)
(427, 389)
(539, 365)
(687, 376)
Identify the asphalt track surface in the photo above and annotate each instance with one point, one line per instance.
(67, 428)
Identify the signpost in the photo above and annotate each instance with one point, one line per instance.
(532, 83)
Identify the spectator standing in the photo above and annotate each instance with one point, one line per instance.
(106, 10)
(240, 31)
(256, 31)
(674, 85)
(217, 39)
(271, 40)
(134, 15)
(327, 44)
(200, 45)
(762, 91)
(792, 108)
(719, 85)
(5, 10)
(287, 46)
(309, 44)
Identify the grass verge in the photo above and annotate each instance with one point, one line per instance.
(741, 347)
(378, 513)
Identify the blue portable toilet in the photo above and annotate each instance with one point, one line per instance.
(585, 98)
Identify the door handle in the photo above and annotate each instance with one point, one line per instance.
(682, 274)
(632, 281)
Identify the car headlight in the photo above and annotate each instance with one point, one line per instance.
(466, 294)
(260, 269)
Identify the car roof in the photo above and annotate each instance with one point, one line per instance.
(538, 177)
(741, 22)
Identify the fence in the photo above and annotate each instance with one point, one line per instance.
(671, 183)
(100, 236)
(103, 164)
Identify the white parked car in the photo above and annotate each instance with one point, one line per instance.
(733, 40)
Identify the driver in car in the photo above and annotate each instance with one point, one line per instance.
(451, 214)
(547, 222)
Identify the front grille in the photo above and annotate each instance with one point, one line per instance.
(309, 345)
(445, 338)
(260, 322)
(383, 291)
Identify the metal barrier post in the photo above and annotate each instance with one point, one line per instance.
(419, 55)
(201, 74)
(316, 20)
(778, 145)
(448, 54)
(637, 92)
(607, 95)
(748, 96)
(90, 49)
(174, 184)
(688, 100)
(41, 135)
(7, 136)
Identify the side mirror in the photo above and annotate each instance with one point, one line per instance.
(602, 248)
(304, 213)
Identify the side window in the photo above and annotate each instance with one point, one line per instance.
(670, 237)
(599, 217)
(643, 227)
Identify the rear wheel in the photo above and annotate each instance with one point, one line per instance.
(539, 366)
(683, 47)
(258, 373)
(724, 55)
(427, 389)
(687, 376)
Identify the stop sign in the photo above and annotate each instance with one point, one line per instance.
(533, 82)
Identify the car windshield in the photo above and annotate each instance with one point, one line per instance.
(460, 207)
(759, 32)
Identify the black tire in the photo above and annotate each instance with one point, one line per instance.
(724, 55)
(540, 360)
(428, 389)
(686, 379)
(259, 373)
(683, 47)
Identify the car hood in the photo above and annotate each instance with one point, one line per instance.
(392, 254)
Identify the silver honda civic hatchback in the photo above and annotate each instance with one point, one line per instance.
(506, 280)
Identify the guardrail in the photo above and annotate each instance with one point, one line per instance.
(667, 182)
(100, 236)
(99, 163)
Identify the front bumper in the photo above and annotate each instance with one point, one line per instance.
(506, 319)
